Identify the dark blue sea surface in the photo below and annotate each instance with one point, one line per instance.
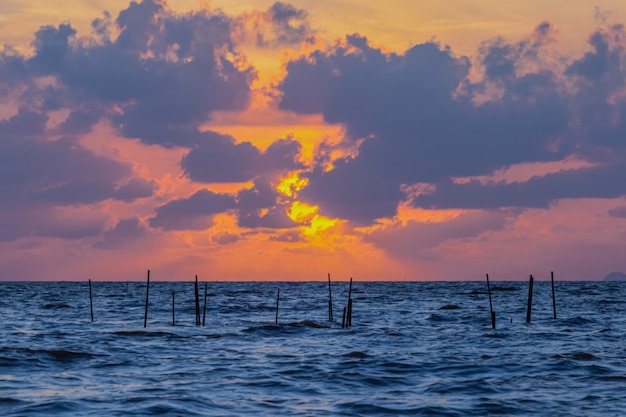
(414, 348)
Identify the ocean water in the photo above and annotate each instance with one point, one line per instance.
(414, 348)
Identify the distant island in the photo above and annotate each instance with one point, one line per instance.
(615, 276)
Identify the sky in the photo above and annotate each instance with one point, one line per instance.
(259, 140)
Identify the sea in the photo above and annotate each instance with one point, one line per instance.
(411, 348)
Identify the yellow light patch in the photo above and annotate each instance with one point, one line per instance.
(301, 212)
(291, 184)
(320, 224)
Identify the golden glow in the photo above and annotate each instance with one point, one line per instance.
(301, 212)
(320, 224)
(291, 184)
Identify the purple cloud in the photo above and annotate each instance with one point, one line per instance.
(124, 232)
(193, 213)
(420, 119)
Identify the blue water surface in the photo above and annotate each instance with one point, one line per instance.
(414, 348)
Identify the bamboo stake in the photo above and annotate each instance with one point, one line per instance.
(530, 299)
(145, 317)
(197, 302)
(90, 301)
(330, 300)
(553, 296)
(343, 319)
(277, 298)
(492, 313)
(349, 313)
(206, 285)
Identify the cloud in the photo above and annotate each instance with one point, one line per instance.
(193, 213)
(220, 159)
(619, 212)
(25, 123)
(224, 238)
(124, 232)
(256, 207)
(281, 24)
(158, 80)
(52, 222)
(419, 118)
(60, 172)
(134, 189)
(604, 181)
(414, 239)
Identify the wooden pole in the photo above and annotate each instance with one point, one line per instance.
(206, 285)
(349, 317)
(197, 294)
(90, 301)
(553, 296)
(277, 298)
(530, 299)
(330, 300)
(349, 313)
(491, 313)
(343, 319)
(145, 317)
(173, 318)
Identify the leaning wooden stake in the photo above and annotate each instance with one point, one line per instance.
(530, 299)
(330, 301)
(173, 318)
(492, 313)
(145, 317)
(277, 298)
(343, 319)
(553, 296)
(349, 313)
(90, 301)
(206, 285)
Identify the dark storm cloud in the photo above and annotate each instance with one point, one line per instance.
(218, 158)
(422, 120)
(124, 232)
(163, 73)
(256, 207)
(26, 122)
(539, 192)
(31, 221)
(58, 172)
(134, 189)
(80, 121)
(260, 206)
(193, 213)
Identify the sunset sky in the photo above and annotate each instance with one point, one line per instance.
(260, 140)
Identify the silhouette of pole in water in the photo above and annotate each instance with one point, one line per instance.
(90, 301)
(493, 313)
(553, 296)
(343, 319)
(145, 317)
(206, 285)
(349, 313)
(277, 298)
(330, 301)
(530, 298)
(197, 302)
(173, 321)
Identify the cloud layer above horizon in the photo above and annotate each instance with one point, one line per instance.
(111, 143)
